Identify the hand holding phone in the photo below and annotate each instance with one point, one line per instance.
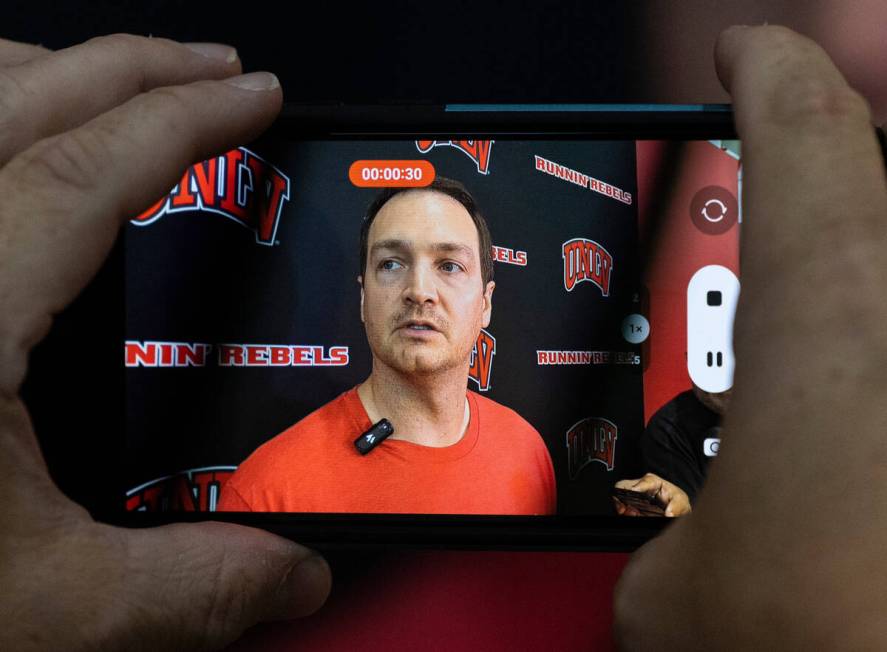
(636, 503)
(650, 496)
(772, 533)
(88, 150)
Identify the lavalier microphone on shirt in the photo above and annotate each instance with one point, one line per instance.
(374, 436)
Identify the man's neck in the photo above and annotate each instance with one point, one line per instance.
(429, 411)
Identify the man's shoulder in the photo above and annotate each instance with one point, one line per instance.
(525, 450)
(493, 413)
(670, 411)
(343, 408)
(278, 469)
(331, 426)
(680, 421)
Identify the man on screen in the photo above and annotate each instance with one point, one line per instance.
(426, 290)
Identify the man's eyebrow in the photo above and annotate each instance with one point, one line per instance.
(392, 244)
(407, 245)
(453, 247)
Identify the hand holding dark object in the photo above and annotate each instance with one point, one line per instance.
(772, 557)
(669, 496)
(635, 503)
(90, 136)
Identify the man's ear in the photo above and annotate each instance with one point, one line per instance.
(360, 282)
(488, 303)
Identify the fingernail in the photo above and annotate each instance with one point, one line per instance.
(214, 51)
(305, 589)
(255, 81)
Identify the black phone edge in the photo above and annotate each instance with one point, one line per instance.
(634, 122)
(425, 531)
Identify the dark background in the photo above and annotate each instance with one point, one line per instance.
(456, 51)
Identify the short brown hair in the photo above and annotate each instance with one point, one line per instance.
(448, 187)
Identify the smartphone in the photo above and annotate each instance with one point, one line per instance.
(364, 263)
(644, 503)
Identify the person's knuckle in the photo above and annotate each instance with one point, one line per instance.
(118, 44)
(133, 46)
(13, 96)
(134, 50)
(171, 107)
(110, 47)
(75, 161)
(780, 37)
(229, 601)
(807, 87)
(813, 100)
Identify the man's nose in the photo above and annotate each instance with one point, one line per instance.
(421, 285)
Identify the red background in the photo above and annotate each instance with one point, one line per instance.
(680, 249)
(456, 601)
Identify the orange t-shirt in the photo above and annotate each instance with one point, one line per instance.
(500, 466)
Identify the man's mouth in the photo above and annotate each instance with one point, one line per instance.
(418, 326)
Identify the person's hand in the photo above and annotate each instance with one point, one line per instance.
(670, 496)
(89, 137)
(784, 548)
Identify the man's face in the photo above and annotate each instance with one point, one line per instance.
(422, 297)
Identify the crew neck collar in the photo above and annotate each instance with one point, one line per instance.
(408, 450)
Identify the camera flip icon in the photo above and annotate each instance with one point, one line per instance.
(714, 210)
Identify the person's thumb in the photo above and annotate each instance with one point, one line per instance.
(199, 586)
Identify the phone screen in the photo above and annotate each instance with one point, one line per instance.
(252, 324)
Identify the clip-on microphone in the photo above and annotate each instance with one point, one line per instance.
(374, 436)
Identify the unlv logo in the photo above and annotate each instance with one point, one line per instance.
(196, 490)
(239, 185)
(591, 440)
(482, 360)
(477, 150)
(586, 260)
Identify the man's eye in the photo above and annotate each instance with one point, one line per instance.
(390, 265)
(450, 267)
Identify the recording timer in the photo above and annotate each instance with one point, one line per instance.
(391, 174)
